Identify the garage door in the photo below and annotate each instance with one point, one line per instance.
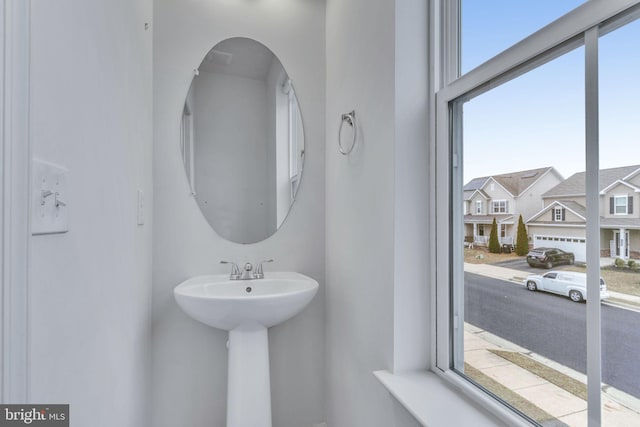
(576, 245)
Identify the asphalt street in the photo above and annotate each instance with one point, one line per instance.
(555, 327)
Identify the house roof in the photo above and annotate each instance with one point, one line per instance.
(488, 219)
(514, 182)
(575, 184)
(620, 182)
(575, 207)
(468, 195)
(619, 222)
(475, 184)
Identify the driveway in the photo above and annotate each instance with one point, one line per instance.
(521, 264)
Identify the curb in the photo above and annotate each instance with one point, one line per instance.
(628, 401)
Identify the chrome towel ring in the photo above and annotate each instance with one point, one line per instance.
(350, 119)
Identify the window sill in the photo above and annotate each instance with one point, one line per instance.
(434, 403)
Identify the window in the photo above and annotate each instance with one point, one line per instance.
(620, 205)
(478, 206)
(505, 24)
(537, 103)
(499, 206)
(558, 214)
(480, 229)
(503, 230)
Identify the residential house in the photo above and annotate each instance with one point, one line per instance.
(504, 197)
(562, 221)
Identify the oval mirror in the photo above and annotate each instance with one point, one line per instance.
(242, 140)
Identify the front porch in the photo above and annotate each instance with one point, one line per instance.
(620, 243)
(477, 231)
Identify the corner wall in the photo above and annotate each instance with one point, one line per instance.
(90, 288)
(360, 212)
(377, 216)
(189, 358)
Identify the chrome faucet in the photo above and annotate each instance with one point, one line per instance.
(246, 274)
(247, 270)
(259, 274)
(235, 271)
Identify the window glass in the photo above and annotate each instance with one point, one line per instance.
(620, 203)
(528, 135)
(619, 111)
(490, 26)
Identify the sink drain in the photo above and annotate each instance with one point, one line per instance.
(248, 289)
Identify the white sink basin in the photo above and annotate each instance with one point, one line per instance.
(246, 308)
(227, 304)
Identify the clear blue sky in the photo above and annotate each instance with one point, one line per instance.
(537, 119)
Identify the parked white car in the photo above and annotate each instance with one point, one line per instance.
(569, 283)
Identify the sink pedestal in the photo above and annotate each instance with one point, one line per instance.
(248, 386)
(246, 308)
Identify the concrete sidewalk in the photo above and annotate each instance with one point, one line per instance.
(619, 408)
(571, 410)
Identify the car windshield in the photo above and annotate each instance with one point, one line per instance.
(550, 275)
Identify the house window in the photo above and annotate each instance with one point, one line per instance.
(505, 106)
(499, 206)
(478, 206)
(620, 205)
(503, 230)
(558, 214)
(480, 229)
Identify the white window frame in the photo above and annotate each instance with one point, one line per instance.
(478, 206)
(557, 214)
(15, 194)
(503, 231)
(626, 204)
(499, 206)
(582, 26)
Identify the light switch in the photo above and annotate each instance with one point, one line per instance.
(49, 210)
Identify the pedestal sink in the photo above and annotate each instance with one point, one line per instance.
(246, 308)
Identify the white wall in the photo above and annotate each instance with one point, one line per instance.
(360, 212)
(378, 309)
(90, 289)
(190, 359)
(232, 181)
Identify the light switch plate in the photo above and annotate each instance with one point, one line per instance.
(49, 209)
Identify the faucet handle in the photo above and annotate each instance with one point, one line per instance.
(259, 274)
(235, 271)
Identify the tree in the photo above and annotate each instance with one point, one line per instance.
(522, 241)
(494, 243)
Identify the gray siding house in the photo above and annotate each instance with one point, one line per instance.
(562, 221)
(504, 197)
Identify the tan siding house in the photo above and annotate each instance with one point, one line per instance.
(561, 223)
(504, 197)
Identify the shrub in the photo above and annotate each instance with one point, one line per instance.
(522, 241)
(494, 243)
(631, 263)
(619, 262)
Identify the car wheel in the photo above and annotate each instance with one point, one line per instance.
(531, 285)
(531, 264)
(571, 261)
(549, 264)
(575, 296)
